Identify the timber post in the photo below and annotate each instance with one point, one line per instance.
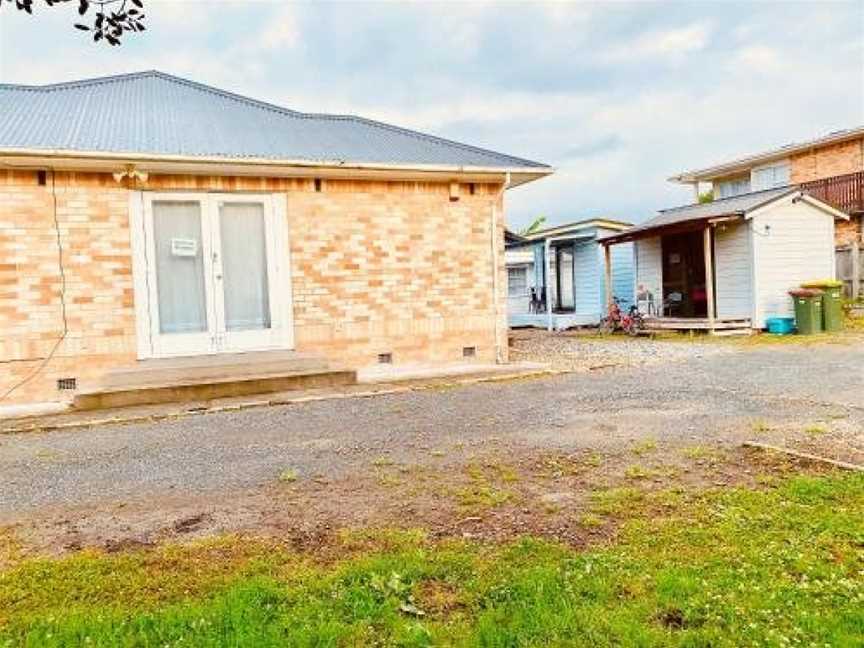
(607, 266)
(709, 275)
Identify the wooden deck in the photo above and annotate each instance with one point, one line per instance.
(560, 321)
(719, 326)
(845, 192)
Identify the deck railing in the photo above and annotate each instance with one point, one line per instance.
(845, 192)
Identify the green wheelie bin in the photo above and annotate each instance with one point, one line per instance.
(832, 302)
(808, 310)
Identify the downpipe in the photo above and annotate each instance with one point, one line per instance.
(493, 242)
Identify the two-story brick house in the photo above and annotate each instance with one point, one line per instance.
(830, 168)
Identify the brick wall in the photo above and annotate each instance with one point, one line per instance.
(846, 232)
(827, 161)
(376, 267)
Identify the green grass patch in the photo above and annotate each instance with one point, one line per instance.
(644, 447)
(483, 490)
(760, 426)
(288, 476)
(616, 501)
(816, 429)
(739, 567)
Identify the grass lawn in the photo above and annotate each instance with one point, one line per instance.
(779, 566)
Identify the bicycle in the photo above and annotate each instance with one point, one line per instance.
(631, 322)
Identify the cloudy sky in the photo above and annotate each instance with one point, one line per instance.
(617, 96)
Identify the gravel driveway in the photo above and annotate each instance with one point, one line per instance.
(711, 397)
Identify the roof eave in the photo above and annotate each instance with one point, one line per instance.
(743, 164)
(665, 228)
(108, 160)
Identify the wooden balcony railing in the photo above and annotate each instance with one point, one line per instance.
(845, 192)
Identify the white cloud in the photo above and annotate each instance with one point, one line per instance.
(758, 58)
(282, 32)
(669, 44)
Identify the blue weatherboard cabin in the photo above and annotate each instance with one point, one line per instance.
(555, 276)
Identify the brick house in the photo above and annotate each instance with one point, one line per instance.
(830, 168)
(145, 217)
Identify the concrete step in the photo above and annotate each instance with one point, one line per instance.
(209, 377)
(192, 369)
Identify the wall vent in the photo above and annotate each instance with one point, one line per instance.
(469, 352)
(42, 178)
(67, 384)
(318, 185)
(385, 358)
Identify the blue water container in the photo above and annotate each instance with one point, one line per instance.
(780, 325)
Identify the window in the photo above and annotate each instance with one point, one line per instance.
(769, 177)
(729, 188)
(517, 281)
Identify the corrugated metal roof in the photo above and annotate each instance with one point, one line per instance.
(156, 113)
(734, 206)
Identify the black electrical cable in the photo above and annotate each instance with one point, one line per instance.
(62, 269)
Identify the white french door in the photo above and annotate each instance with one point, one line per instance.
(217, 274)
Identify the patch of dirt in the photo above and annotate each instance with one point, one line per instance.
(191, 523)
(579, 499)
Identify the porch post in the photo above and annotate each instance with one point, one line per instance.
(547, 250)
(856, 269)
(709, 275)
(607, 265)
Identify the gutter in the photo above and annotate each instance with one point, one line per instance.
(258, 161)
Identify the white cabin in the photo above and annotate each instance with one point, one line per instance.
(732, 260)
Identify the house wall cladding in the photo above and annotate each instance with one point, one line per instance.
(826, 161)
(733, 270)
(798, 246)
(376, 267)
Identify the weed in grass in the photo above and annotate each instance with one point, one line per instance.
(480, 492)
(766, 479)
(760, 426)
(636, 471)
(48, 454)
(288, 475)
(591, 521)
(644, 447)
(506, 474)
(386, 479)
(551, 508)
(701, 452)
(670, 498)
(380, 462)
(616, 501)
(439, 597)
(10, 548)
(482, 496)
(733, 567)
(593, 460)
(816, 429)
(438, 453)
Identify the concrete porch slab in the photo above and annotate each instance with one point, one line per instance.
(196, 378)
(72, 419)
(386, 373)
